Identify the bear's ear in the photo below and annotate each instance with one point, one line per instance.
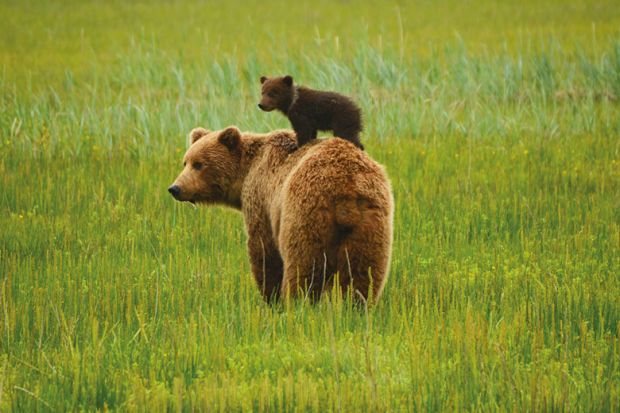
(263, 79)
(230, 137)
(288, 80)
(196, 134)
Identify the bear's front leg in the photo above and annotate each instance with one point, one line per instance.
(304, 130)
(267, 267)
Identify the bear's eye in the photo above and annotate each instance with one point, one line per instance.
(271, 94)
(184, 163)
(197, 166)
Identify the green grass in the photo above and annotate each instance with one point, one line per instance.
(499, 126)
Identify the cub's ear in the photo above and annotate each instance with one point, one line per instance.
(196, 134)
(263, 79)
(230, 137)
(288, 80)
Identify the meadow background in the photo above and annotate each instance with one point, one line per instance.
(498, 123)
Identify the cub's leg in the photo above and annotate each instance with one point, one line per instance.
(304, 129)
(350, 133)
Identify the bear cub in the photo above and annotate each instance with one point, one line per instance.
(311, 110)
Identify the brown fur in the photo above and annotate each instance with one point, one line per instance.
(323, 209)
(310, 111)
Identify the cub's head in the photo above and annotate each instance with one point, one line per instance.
(276, 93)
(210, 168)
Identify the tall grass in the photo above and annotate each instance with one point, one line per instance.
(503, 293)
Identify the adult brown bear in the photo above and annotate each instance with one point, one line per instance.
(314, 215)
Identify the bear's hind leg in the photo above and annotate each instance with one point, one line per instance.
(363, 257)
(306, 250)
(350, 134)
(267, 267)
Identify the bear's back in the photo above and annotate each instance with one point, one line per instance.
(327, 170)
(319, 173)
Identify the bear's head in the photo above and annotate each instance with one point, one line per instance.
(276, 93)
(211, 168)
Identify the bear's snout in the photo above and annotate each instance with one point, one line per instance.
(266, 106)
(175, 191)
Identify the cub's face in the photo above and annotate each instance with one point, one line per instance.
(276, 93)
(210, 167)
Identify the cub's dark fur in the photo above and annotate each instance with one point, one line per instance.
(311, 110)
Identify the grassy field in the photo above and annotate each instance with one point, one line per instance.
(499, 125)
